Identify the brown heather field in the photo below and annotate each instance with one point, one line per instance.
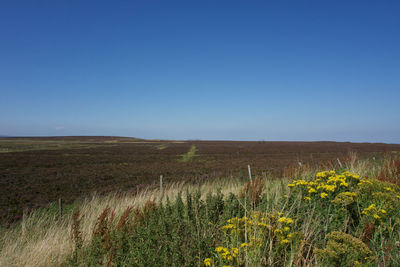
(37, 171)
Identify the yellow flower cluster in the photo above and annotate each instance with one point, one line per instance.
(237, 225)
(345, 198)
(345, 188)
(285, 220)
(382, 198)
(374, 212)
(208, 262)
(327, 184)
(252, 233)
(258, 226)
(349, 194)
(225, 254)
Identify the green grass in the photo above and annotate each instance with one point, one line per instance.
(162, 146)
(189, 155)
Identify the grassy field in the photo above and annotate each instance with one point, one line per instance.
(349, 216)
(37, 171)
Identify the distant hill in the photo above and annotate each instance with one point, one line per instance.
(75, 138)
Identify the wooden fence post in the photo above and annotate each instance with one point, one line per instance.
(161, 188)
(248, 167)
(340, 164)
(23, 221)
(60, 208)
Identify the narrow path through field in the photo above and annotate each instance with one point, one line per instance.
(189, 155)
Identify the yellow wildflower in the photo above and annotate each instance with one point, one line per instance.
(311, 190)
(263, 224)
(208, 262)
(284, 241)
(330, 188)
(350, 194)
(222, 249)
(376, 216)
(228, 226)
(324, 195)
(235, 251)
(286, 220)
(322, 174)
(300, 182)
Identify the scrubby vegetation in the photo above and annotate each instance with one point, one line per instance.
(348, 216)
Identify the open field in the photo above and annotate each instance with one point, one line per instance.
(37, 171)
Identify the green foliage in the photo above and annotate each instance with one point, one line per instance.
(332, 219)
(344, 250)
(174, 234)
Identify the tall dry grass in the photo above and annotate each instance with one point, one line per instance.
(41, 240)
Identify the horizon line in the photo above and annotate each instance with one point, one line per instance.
(194, 140)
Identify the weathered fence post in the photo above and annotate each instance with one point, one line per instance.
(161, 188)
(60, 208)
(248, 167)
(23, 221)
(340, 164)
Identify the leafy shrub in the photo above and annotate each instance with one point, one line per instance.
(344, 250)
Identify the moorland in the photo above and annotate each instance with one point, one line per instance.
(36, 171)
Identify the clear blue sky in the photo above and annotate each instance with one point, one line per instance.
(238, 70)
